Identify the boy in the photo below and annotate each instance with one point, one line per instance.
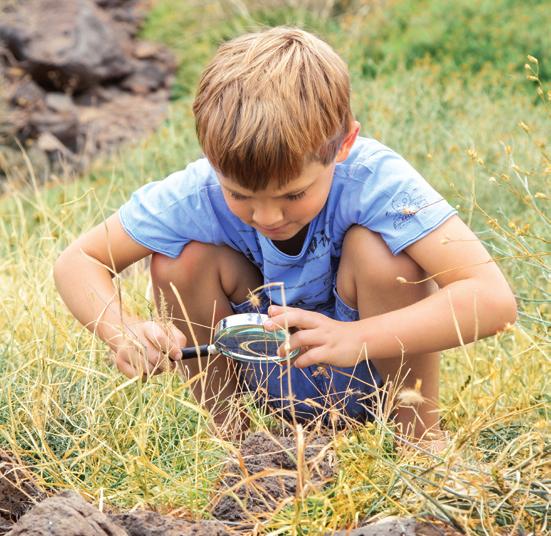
(375, 263)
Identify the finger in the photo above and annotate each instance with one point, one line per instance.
(178, 341)
(157, 361)
(305, 338)
(301, 340)
(125, 367)
(279, 309)
(162, 340)
(157, 336)
(137, 356)
(292, 317)
(314, 356)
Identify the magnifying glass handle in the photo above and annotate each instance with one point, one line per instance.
(201, 351)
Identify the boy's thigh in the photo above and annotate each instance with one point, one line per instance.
(370, 278)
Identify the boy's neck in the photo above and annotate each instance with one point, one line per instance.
(293, 245)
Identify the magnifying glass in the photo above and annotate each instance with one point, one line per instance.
(242, 337)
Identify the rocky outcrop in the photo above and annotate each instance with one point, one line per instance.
(76, 81)
(66, 514)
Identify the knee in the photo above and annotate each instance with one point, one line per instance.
(367, 263)
(184, 268)
(209, 266)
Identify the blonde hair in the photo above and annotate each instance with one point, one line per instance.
(271, 102)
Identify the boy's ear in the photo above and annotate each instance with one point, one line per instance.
(348, 141)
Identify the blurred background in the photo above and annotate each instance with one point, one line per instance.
(80, 77)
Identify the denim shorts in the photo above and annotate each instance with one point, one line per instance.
(317, 392)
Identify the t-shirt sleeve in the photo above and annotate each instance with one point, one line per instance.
(392, 199)
(165, 215)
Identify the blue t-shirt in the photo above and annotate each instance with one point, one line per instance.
(374, 187)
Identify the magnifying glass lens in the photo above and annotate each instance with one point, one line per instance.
(251, 343)
(242, 337)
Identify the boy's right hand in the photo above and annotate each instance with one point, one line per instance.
(148, 348)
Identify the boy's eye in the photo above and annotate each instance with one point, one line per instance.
(294, 197)
(239, 197)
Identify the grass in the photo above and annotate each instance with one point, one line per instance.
(478, 133)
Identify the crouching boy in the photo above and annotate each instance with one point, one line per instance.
(379, 272)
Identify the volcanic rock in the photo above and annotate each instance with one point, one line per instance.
(74, 83)
(144, 523)
(70, 44)
(66, 514)
(402, 526)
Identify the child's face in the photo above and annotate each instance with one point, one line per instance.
(280, 213)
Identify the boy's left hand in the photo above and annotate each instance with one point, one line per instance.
(321, 339)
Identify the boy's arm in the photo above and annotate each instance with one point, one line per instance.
(84, 278)
(474, 301)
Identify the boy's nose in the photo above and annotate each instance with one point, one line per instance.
(268, 217)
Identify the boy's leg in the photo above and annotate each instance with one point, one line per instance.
(207, 278)
(366, 280)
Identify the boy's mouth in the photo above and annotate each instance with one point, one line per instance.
(272, 231)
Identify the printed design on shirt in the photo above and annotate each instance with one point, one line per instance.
(405, 205)
(324, 278)
(309, 303)
(320, 238)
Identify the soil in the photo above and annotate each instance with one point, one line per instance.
(266, 473)
(262, 475)
(18, 492)
(67, 514)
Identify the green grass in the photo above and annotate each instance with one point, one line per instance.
(477, 131)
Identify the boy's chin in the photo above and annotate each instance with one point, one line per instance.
(288, 232)
(277, 235)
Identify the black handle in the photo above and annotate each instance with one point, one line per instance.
(193, 352)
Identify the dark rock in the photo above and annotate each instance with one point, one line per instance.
(5, 526)
(60, 102)
(394, 526)
(401, 526)
(143, 523)
(147, 77)
(154, 69)
(128, 14)
(97, 95)
(14, 163)
(102, 89)
(68, 45)
(146, 50)
(64, 126)
(110, 4)
(66, 514)
(28, 95)
(125, 117)
(18, 491)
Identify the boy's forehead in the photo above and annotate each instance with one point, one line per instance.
(309, 175)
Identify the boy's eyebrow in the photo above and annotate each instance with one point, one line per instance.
(297, 191)
(292, 192)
